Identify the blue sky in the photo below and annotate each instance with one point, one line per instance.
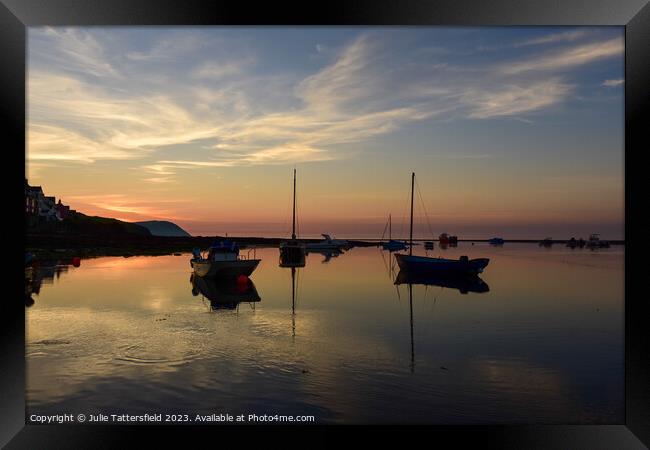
(508, 128)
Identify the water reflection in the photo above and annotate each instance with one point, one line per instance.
(327, 253)
(128, 335)
(464, 284)
(225, 294)
(38, 275)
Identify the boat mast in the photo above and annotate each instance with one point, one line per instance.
(390, 229)
(411, 232)
(293, 230)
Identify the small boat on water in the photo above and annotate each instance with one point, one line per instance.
(496, 241)
(446, 239)
(595, 242)
(392, 244)
(424, 264)
(327, 244)
(292, 252)
(223, 261)
(573, 243)
(546, 242)
(428, 245)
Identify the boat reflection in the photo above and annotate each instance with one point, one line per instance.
(327, 253)
(40, 273)
(463, 283)
(225, 294)
(292, 259)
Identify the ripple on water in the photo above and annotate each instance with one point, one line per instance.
(52, 342)
(143, 354)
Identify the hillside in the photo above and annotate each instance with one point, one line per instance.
(163, 228)
(81, 224)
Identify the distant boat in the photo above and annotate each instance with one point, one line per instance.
(496, 241)
(546, 242)
(463, 283)
(392, 245)
(423, 264)
(572, 243)
(327, 244)
(223, 261)
(292, 252)
(595, 242)
(446, 239)
(428, 245)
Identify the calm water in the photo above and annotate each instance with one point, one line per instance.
(134, 335)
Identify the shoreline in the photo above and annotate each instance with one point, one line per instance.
(56, 246)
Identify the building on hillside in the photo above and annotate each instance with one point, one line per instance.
(48, 209)
(63, 210)
(33, 199)
(42, 208)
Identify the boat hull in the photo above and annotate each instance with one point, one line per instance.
(394, 245)
(224, 269)
(423, 264)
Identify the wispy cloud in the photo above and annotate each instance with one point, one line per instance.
(167, 49)
(246, 117)
(565, 36)
(514, 99)
(612, 83)
(131, 207)
(81, 51)
(218, 70)
(567, 58)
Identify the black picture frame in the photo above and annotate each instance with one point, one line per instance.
(16, 15)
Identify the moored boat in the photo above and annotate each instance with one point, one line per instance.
(496, 241)
(392, 244)
(546, 242)
(425, 264)
(595, 242)
(447, 239)
(223, 261)
(292, 252)
(327, 244)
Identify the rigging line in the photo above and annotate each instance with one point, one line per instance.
(383, 258)
(384, 233)
(426, 215)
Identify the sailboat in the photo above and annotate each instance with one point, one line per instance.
(425, 264)
(392, 245)
(292, 252)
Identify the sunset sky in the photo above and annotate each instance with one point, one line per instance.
(516, 132)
